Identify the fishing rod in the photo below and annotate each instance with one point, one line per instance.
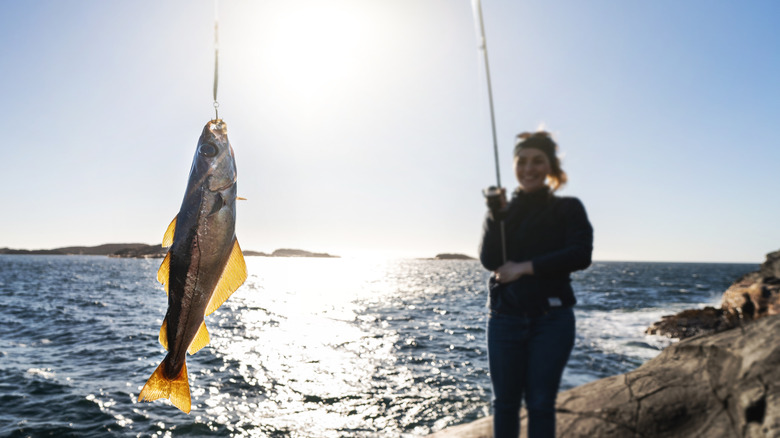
(216, 58)
(491, 193)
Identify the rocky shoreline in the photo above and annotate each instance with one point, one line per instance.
(721, 380)
(751, 297)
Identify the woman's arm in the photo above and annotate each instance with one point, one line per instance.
(578, 248)
(490, 251)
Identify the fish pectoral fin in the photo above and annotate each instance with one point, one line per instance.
(177, 390)
(164, 273)
(164, 333)
(239, 198)
(232, 277)
(201, 339)
(168, 236)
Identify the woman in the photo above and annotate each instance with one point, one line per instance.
(531, 323)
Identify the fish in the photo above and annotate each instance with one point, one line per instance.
(203, 266)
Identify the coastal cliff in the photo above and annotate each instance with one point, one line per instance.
(751, 297)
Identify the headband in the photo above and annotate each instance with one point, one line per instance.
(541, 142)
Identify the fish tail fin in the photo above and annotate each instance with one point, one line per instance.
(177, 390)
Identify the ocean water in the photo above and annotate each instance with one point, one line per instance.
(306, 348)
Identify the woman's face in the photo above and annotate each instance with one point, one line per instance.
(531, 169)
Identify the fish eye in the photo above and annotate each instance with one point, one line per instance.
(208, 150)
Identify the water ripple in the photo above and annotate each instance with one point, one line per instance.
(306, 348)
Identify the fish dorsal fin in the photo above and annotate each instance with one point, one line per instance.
(200, 341)
(164, 273)
(164, 333)
(232, 277)
(168, 236)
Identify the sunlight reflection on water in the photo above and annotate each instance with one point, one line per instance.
(312, 361)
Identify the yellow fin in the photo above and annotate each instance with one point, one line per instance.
(164, 333)
(168, 236)
(201, 339)
(164, 273)
(232, 277)
(238, 198)
(178, 389)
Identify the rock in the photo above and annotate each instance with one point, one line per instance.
(689, 323)
(721, 385)
(771, 266)
(755, 295)
(482, 428)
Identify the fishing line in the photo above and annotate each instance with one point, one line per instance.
(480, 27)
(216, 58)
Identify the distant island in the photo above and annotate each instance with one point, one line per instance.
(298, 253)
(104, 250)
(446, 256)
(286, 252)
(142, 250)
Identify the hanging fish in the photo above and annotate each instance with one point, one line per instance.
(204, 265)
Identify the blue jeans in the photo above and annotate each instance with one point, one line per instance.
(526, 357)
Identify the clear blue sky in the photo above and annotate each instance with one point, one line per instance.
(362, 126)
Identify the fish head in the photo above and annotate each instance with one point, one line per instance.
(214, 164)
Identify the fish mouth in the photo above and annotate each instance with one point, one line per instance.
(217, 126)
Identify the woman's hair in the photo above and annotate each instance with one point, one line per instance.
(543, 141)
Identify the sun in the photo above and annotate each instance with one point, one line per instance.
(316, 48)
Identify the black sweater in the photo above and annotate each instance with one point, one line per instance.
(554, 234)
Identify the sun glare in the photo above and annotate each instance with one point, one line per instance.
(301, 321)
(316, 47)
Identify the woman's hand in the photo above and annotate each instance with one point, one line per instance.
(511, 271)
(495, 199)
